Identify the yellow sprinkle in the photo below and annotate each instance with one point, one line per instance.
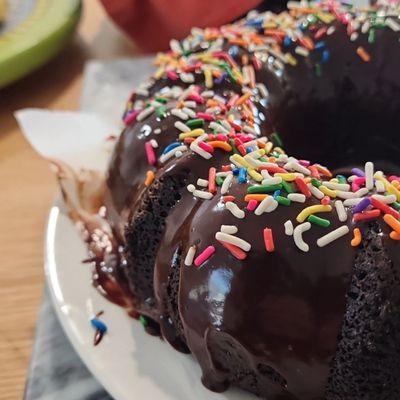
(193, 133)
(240, 160)
(259, 152)
(286, 177)
(208, 78)
(279, 150)
(334, 180)
(159, 73)
(389, 187)
(329, 192)
(325, 17)
(312, 210)
(255, 175)
(149, 178)
(290, 59)
(268, 147)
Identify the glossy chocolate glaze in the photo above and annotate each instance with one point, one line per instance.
(284, 308)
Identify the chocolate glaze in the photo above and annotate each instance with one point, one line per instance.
(285, 309)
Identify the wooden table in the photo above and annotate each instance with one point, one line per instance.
(27, 188)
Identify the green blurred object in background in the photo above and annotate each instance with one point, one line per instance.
(32, 32)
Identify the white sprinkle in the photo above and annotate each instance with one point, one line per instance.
(195, 148)
(385, 199)
(330, 30)
(191, 188)
(272, 181)
(202, 182)
(352, 202)
(175, 46)
(190, 104)
(268, 204)
(178, 154)
(223, 173)
(203, 195)
(365, 27)
(392, 24)
(227, 183)
(332, 236)
(380, 186)
(190, 255)
(315, 191)
(145, 113)
(181, 126)
(262, 90)
(157, 131)
(249, 129)
(297, 197)
(189, 112)
(341, 211)
(225, 237)
(213, 110)
(369, 175)
(220, 99)
(337, 186)
(298, 236)
(301, 51)
(171, 153)
(354, 36)
(186, 77)
(265, 174)
(226, 125)
(218, 127)
(235, 210)
(179, 113)
(345, 195)
(291, 165)
(288, 227)
(154, 143)
(231, 229)
(361, 192)
(208, 93)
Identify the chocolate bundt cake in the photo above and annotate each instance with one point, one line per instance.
(279, 275)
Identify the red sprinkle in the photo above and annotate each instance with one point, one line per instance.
(206, 116)
(228, 198)
(385, 208)
(301, 184)
(237, 252)
(366, 215)
(226, 168)
(269, 240)
(314, 172)
(151, 157)
(326, 200)
(273, 169)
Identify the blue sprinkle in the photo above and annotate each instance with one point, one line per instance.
(242, 175)
(255, 22)
(99, 325)
(233, 51)
(362, 205)
(235, 171)
(325, 55)
(277, 193)
(320, 45)
(249, 150)
(170, 147)
(287, 41)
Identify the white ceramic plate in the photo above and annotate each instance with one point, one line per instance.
(129, 363)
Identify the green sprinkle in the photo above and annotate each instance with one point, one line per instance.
(219, 181)
(341, 179)
(263, 188)
(230, 73)
(161, 111)
(195, 123)
(276, 139)
(318, 69)
(234, 148)
(319, 221)
(283, 201)
(161, 100)
(288, 187)
(371, 35)
(315, 182)
(143, 320)
(396, 205)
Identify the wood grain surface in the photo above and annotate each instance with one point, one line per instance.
(27, 188)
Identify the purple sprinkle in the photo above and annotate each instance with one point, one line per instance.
(220, 79)
(358, 172)
(362, 205)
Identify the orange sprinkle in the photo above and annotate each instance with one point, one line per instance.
(149, 178)
(239, 42)
(357, 237)
(274, 32)
(212, 103)
(181, 104)
(364, 55)
(219, 144)
(243, 98)
(392, 222)
(234, 250)
(258, 197)
(394, 235)
(323, 170)
(245, 59)
(212, 172)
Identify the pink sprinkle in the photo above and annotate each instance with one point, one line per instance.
(206, 116)
(206, 147)
(393, 178)
(172, 75)
(325, 200)
(252, 205)
(222, 137)
(304, 163)
(204, 256)
(232, 101)
(195, 97)
(131, 117)
(151, 157)
(355, 185)
(244, 138)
